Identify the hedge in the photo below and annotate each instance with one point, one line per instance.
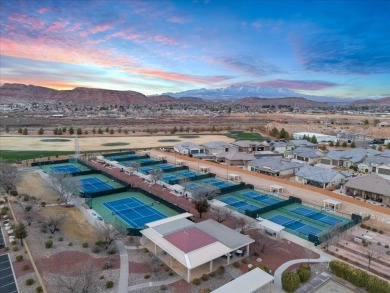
(359, 278)
(304, 273)
(290, 281)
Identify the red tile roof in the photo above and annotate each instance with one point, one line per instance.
(190, 239)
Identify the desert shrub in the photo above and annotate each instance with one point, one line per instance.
(379, 244)
(236, 264)
(220, 270)
(29, 282)
(107, 265)
(368, 228)
(15, 248)
(19, 258)
(374, 229)
(25, 267)
(85, 245)
(304, 273)
(111, 250)
(100, 243)
(145, 250)
(364, 226)
(163, 287)
(43, 204)
(39, 289)
(60, 239)
(146, 277)
(290, 281)
(380, 232)
(49, 243)
(109, 284)
(205, 277)
(6, 249)
(96, 249)
(171, 274)
(196, 281)
(101, 277)
(212, 274)
(70, 244)
(386, 246)
(245, 261)
(13, 193)
(13, 242)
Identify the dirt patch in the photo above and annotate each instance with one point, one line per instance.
(18, 266)
(76, 227)
(35, 185)
(139, 268)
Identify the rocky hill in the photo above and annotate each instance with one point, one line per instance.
(371, 102)
(30, 93)
(298, 102)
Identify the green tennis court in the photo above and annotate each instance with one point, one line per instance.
(105, 206)
(68, 168)
(239, 202)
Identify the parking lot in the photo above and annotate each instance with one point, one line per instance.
(7, 279)
(2, 241)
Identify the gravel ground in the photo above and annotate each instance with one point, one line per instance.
(23, 288)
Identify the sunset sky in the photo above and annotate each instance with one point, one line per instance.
(328, 48)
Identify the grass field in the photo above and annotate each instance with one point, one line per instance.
(12, 156)
(242, 135)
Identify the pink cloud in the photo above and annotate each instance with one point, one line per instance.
(176, 19)
(43, 10)
(24, 20)
(58, 25)
(166, 40)
(125, 35)
(101, 28)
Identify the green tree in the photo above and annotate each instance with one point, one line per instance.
(25, 131)
(20, 231)
(71, 130)
(55, 131)
(125, 131)
(100, 131)
(40, 131)
(331, 144)
(7, 129)
(20, 130)
(202, 206)
(59, 132)
(107, 130)
(290, 281)
(353, 144)
(366, 122)
(111, 131)
(63, 129)
(313, 139)
(79, 131)
(120, 130)
(86, 132)
(94, 130)
(337, 143)
(344, 144)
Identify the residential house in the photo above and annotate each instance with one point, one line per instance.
(319, 136)
(274, 166)
(249, 146)
(347, 158)
(188, 148)
(379, 164)
(295, 143)
(278, 145)
(235, 158)
(370, 187)
(319, 177)
(307, 155)
(215, 147)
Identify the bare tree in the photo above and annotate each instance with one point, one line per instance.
(155, 175)
(9, 176)
(54, 222)
(133, 167)
(263, 241)
(221, 214)
(243, 224)
(207, 191)
(107, 233)
(66, 185)
(81, 279)
(372, 252)
(29, 210)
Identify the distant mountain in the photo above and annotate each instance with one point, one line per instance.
(242, 91)
(30, 93)
(298, 102)
(383, 101)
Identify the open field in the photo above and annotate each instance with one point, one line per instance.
(93, 143)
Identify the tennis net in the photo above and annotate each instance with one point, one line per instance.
(116, 212)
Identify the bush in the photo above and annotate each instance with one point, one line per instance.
(205, 277)
(25, 267)
(85, 245)
(19, 258)
(100, 243)
(386, 246)
(304, 273)
(171, 274)
(101, 277)
(212, 274)
(236, 264)
(368, 228)
(146, 277)
(163, 287)
(107, 265)
(374, 229)
(60, 239)
(6, 249)
(111, 250)
(29, 282)
(96, 249)
(261, 267)
(43, 204)
(39, 289)
(245, 261)
(196, 281)
(380, 232)
(49, 243)
(290, 281)
(13, 193)
(109, 284)
(15, 248)
(220, 270)
(145, 250)
(70, 244)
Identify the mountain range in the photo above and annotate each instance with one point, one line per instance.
(240, 95)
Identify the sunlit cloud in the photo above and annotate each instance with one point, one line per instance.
(177, 19)
(293, 84)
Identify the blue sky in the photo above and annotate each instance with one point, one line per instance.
(328, 48)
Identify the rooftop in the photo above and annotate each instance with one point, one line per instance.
(190, 239)
(371, 183)
(216, 144)
(317, 174)
(275, 163)
(353, 155)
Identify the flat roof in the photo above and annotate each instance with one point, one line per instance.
(270, 225)
(190, 239)
(332, 201)
(247, 283)
(169, 219)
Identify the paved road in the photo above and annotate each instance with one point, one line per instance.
(124, 269)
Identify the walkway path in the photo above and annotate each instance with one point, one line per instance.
(279, 271)
(153, 284)
(124, 269)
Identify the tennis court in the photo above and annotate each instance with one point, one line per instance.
(268, 200)
(238, 204)
(134, 212)
(7, 278)
(67, 168)
(140, 161)
(317, 215)
(215, 182)
(294, 224)
(118, 209)
(163, 167)
(96, 183)
(122, 157)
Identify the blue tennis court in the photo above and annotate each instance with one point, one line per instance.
(294, 225)
(261, 197)
(316, 215)
(94, 185)
(239, 204)
(186, 173)
(133, 211)
(217, 183)
(65, 169)
(122, 157)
